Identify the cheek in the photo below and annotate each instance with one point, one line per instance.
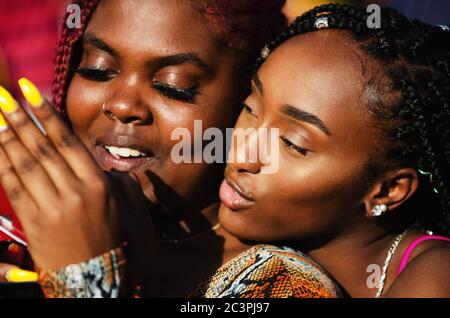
(188, 178)
(217, 106)
(297, 203)
(84, 102)
(222, 97)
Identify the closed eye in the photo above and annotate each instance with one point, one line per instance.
(186, 95)
(96, 74)
(249, 109)
(290, 145)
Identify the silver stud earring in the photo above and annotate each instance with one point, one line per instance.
(379, 209)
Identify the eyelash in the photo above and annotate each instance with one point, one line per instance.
(290, 145)
(248, 109)
(186, 95)
(286, 142)
(182, 94)
(96, 74)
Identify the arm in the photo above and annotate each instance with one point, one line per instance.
(427, 275)
(70, 210)
(100, 277)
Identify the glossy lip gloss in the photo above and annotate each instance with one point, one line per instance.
(231, 197)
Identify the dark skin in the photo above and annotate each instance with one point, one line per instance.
(143, 60)
(367, 248)
(319, 200)
(140, 109)
(143, 74)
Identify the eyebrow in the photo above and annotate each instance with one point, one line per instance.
(302, 115)
(181, 58)
(91, 38)
(294, 112)
(176, 59)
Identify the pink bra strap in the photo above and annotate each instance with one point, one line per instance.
(406, 256)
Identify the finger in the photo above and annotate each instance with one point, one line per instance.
(37, 144)
(4, 268)
(65, 141)
(16, 253)
(22, 172)
(20, 200)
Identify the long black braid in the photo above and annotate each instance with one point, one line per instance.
(414, 113)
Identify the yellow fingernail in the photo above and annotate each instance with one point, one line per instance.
(17, 275)
(31, 92)
(7, 102)
(3, 124)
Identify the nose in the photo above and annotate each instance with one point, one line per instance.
(128, 107)
(127, 112)
(244, 156)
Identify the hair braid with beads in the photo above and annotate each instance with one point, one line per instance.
(414, 114)
(65, 53)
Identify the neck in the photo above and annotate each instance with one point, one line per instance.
(348, 256)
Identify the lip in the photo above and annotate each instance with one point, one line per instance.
(233, 196)
(108, 162)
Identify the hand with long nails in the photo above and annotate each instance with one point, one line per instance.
(69, 208)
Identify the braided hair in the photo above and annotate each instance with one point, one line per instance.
(242, 25)
(409, 102)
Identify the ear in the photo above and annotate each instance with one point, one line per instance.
(392, 189)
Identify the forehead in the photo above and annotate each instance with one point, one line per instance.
(166, 26)
(321, 73)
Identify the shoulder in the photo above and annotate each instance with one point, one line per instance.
(277, 272)
(427, 275)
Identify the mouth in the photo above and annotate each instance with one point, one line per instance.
(234, 197)
(122, 153)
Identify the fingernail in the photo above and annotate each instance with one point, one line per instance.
(3, 124)
(7, 102)
(31, 93)
(17, 275)
(13, 248)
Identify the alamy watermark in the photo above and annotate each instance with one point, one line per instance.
(251, 146)
(374, 279)
(374, 19)
(73, 20)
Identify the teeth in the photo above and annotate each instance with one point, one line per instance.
(124, 152)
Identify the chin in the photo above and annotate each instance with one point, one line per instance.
(238, 225)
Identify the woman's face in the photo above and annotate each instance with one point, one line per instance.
(310, 88)
(153, 66)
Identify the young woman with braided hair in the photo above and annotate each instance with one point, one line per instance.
(364, 160)
(363, 119)
(133, 72)
(362, 144)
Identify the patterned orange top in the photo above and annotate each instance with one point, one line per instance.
(266, 271)
(263, 271)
